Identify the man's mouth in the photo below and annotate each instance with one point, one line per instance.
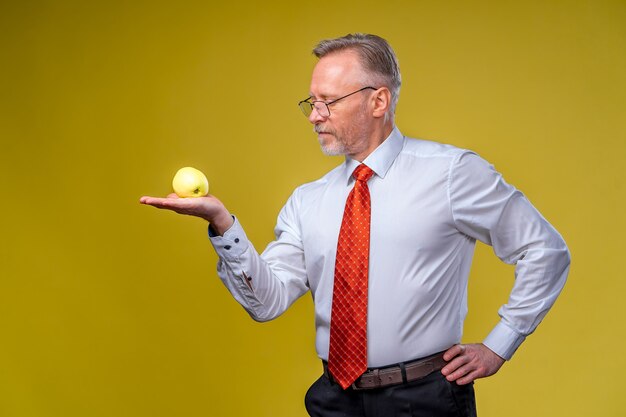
(321, 131)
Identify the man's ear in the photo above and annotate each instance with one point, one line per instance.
(382, 102)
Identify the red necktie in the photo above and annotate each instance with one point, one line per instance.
(347, 356)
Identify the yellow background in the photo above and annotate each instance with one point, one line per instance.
(110, 308)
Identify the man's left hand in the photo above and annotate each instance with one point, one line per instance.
(469, 362)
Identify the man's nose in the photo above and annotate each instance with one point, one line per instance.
(315, 116)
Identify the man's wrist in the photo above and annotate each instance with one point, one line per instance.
(221, 224)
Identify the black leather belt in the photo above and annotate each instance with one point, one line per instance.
(396, 374)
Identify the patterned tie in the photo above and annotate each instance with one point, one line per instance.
(347, 356)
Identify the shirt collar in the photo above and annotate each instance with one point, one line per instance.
(382, 158)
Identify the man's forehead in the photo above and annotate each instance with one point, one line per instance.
(335, 72)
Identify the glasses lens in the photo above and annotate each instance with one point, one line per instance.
(306, 107)
(322, 108)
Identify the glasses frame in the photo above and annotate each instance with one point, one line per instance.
(312, 104)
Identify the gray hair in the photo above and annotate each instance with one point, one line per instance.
(376, 56)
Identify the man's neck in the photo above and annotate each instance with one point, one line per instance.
(378, 136)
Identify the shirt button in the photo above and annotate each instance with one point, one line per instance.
(227, 247)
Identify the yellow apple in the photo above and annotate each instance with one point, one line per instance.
(190, 182)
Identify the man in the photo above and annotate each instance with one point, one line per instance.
(384, 243)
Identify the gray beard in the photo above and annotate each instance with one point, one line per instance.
(334, 149)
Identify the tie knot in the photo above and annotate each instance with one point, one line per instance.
(363, 173)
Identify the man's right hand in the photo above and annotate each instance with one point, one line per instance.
(209, 208)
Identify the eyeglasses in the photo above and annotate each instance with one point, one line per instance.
(322, 107)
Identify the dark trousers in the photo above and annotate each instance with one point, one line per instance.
(431, 396)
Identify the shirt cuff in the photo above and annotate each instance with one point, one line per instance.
(232, 244)
(504, 341)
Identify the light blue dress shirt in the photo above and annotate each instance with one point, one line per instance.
(430, 203)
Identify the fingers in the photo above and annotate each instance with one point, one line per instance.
(457, 362)
(453, 352)
(208, 208)
(469, 362)
(468, 378)
(174, 203)
(153, 201)
(461, 370)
